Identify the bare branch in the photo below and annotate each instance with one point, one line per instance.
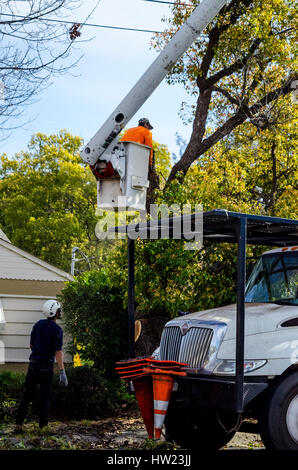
(34, 48)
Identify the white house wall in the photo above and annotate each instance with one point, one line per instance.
(21, 313)
(2, 316)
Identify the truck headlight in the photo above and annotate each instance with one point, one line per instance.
(156, 353)
(228, 366)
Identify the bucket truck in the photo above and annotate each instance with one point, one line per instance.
(126, 185)
(242, 358)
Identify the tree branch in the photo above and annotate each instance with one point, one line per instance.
(197, 148)
(237, 65)
(227, 95)
(272, 196)
(214, 37)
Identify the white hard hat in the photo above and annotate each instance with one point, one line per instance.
(50, 308)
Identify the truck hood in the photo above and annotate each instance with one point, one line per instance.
(259, 317)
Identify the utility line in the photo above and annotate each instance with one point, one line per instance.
(122, 28)
(83, 24)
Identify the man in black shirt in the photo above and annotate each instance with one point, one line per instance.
(46, 344)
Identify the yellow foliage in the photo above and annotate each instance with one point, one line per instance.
(77, 361)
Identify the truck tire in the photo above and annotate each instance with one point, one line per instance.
(279, 421)
(193, 431)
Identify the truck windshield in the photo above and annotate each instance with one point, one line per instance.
(274, 279)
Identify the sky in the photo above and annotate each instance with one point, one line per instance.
(112, 63)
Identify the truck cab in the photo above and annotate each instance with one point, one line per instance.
(206, 341)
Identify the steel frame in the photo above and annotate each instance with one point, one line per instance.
(221, 226)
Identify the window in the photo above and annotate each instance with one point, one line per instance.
(274, 279)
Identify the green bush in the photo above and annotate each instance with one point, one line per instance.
(11, 385)
(95, 319)
(88, 395)
(11, 389)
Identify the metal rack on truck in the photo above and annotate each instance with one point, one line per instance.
(258, 386)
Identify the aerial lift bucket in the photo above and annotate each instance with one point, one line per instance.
(129, 190)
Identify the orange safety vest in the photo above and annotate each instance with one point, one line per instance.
(141, 135)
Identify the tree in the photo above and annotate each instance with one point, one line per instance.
(237, 71)
(159, 172)
(36, 44)
(95, 319)
(47, 199)
(251, 172)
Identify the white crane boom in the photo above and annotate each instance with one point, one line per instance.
(105, 137)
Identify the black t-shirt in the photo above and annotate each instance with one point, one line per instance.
(46, 338)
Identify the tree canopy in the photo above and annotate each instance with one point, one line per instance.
(252, 171)
(236, 72)
(241, 156)
(47, 199)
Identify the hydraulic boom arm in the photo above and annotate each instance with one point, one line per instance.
(105, 137)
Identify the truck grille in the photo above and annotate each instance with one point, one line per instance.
(191, 348)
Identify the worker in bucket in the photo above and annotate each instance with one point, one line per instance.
(141, 134)
(46, 344)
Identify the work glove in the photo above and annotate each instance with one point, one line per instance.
(63, 382)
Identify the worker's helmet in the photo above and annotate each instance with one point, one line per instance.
(50, 308)
(143, 121)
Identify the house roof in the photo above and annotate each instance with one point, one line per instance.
(3, 236)
(19, 264)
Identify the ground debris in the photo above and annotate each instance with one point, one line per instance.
(126, 431)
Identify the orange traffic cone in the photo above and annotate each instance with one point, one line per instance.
(162, 389)
(153, 399)
(144, 396)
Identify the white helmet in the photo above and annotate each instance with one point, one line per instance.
(50, 308)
